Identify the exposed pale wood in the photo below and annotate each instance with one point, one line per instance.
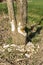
(11, 11)
(21, 12)
(17, 37)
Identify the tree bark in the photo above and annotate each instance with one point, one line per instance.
(21, 15)
(19, 37)
(21, 12)
(21, 19)
(11, 12)
(12, 20)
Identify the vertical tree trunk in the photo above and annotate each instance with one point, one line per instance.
(11, 13)
(19, 37)
(21, 16)
(21, 20)
(11, 18)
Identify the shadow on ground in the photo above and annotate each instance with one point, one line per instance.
(33, 34)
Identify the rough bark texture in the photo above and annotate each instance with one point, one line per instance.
(17, 37)
(21, 12)
(11, 11)
(11, 18)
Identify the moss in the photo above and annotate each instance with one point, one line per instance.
(9, 40)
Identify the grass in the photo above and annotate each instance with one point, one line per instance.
(36, 7)
(3, 8)
(35, 10)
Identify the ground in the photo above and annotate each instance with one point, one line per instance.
(10, 56)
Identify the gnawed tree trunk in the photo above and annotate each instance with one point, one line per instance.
(12, 20)
(11, 14)
(21, 19)
(21, 13)
(19, 36)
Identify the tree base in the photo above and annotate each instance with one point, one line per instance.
(18, 38)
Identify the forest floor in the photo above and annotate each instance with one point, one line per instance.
(11, 54)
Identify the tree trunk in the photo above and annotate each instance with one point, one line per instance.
(19, 37)
(21, 12)
(21, 16)
(12, 20)
(21, 19)
(11, 13)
